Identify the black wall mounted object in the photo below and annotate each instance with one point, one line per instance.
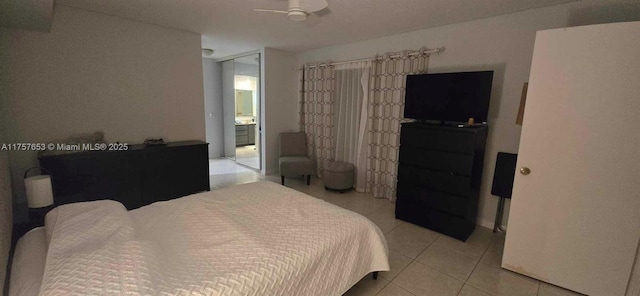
(503, 177)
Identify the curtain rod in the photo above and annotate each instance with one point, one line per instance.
(415, 53)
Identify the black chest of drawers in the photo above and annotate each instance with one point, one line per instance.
(136, 177)
(439, 175)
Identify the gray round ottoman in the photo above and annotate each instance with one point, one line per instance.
(338, 175)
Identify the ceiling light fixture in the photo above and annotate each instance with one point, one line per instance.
(207, 52)
(297, 14)
(300, 10)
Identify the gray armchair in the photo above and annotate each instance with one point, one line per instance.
(293, 156)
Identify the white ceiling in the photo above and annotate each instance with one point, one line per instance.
(231, 26)
(32, 15)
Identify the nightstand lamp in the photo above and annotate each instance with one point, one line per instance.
(39, 195)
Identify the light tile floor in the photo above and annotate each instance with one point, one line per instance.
(249, 156)
(423, 262)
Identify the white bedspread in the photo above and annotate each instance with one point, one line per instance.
(252, 239)
(28, 262)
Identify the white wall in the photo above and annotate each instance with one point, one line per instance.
(6, 198)
(5, 208)
(229, 108)
(97, 72)
(212, 76)
(634, 282)
(279, 103)
(503, 44)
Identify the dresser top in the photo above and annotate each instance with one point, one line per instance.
(168, 145)
(465, 129)
(131, 148)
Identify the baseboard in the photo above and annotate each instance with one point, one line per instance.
(488, 224)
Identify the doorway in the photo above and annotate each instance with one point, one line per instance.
(241, 104)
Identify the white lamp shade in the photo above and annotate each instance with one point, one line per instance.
(39, 192)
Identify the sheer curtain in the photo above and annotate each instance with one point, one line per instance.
(350, 116)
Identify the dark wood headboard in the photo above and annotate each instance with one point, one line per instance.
(135, 177)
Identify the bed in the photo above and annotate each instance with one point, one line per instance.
(252, 239)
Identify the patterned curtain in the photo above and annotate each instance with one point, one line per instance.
(386, 108)
(316, 112)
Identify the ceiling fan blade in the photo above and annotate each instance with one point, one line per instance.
(312, 20)
(270, 10)
(323, 12)
(313, 5)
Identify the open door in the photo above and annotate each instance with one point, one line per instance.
(574, 219)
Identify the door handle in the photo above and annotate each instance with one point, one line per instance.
(525, 171)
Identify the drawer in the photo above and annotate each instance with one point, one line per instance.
(412, 212)
(448, 203)
(242, 128)
(435, 139)
(450, 225)
(441, 181)
(453, 226)
(252, 137)
(242, 140)
(242, 133)
(459, 164)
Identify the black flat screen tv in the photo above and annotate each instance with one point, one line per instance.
(448, 97)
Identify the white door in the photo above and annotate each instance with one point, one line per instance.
(574, 220)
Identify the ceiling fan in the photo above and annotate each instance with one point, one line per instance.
(299, 10)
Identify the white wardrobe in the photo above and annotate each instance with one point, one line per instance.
(574, 219)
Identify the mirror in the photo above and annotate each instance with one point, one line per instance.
(244, 102)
